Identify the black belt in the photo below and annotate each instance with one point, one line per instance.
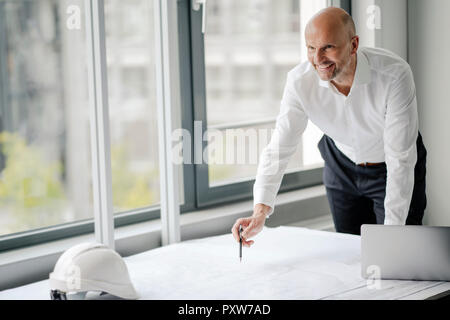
(369, 164)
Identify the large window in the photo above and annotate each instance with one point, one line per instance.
(249, 48)
(45, 171)
(245, 53)
(46, 187)
(132, 103)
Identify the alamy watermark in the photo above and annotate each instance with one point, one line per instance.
(229, 146)
(73, 21)
(374, 20)
(373, 277)
(73, 277)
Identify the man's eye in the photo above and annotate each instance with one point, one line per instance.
(328, 47)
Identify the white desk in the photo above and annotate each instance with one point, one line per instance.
(284, 263)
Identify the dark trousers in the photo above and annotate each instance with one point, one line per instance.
(356, 194)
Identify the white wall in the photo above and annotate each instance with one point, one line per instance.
(429, 53)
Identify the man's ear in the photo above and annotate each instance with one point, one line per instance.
(355, 44)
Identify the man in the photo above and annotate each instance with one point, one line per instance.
(365, 103)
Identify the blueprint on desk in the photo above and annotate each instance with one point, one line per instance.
(284, 263)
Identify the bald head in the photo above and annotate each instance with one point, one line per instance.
(332, 44)
(332, 18)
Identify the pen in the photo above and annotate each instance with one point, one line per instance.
(240, 244)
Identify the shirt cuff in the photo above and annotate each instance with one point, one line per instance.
(264, 197)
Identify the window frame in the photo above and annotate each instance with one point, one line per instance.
(87, 226)
(207, 195)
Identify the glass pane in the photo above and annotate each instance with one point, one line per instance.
(45, 159)
(132, 103)
(249, 48)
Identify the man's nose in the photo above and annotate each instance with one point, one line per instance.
(318, 57)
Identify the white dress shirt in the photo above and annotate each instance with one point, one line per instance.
(376, 122)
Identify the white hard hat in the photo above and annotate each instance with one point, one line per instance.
(91, 267)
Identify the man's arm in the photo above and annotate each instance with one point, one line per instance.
(290, 125)
(400, 136)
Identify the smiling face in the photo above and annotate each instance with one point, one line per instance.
(331, 45)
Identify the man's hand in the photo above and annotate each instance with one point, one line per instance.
(251, 226)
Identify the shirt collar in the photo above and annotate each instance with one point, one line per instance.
(362, 73)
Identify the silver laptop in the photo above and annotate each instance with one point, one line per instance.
(405, 252)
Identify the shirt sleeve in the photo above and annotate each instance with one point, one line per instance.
(290, 125)
(400, 136)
